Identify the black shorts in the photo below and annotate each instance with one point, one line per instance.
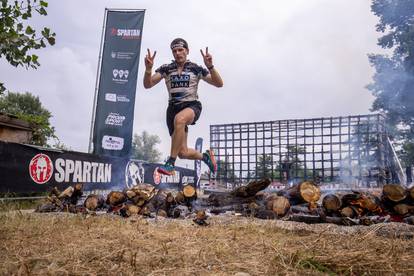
(174, 109)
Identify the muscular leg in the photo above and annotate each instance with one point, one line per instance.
(179, 138)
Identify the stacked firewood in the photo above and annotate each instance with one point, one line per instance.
(142, 199)
(301, 202)
(65, 201)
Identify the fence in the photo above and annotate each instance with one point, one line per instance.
(334, 149)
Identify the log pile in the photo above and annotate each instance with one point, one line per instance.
(65, 201)
(301, 202)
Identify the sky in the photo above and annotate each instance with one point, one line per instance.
(279, 60)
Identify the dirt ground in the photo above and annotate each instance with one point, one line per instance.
(67, 244)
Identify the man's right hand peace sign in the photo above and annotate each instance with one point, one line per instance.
(149, 60)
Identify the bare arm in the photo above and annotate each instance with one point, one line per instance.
(214, 77)
(150, 79)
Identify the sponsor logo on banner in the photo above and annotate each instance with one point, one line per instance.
(188, 179)
(134, 174)
(41, 168)
(114, 119)
(120, 76)
(126, 33)
(112, 97)
(122, 55)
(112, 142)
(162, 178)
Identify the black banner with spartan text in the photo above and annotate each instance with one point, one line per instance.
(25, 169)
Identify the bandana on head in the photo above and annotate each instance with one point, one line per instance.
(179, 42)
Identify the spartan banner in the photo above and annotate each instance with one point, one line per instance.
(31, 169)
(197, 163)
(114, 116)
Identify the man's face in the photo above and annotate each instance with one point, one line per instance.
(180, 54)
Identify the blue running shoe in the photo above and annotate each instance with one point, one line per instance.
(208, 158)
(167, 169)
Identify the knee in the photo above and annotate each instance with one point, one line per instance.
(179, 121)
(182, 154)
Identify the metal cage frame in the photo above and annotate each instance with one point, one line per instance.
(332, 149)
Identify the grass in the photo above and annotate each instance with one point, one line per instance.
(26, 204)
(66, 244)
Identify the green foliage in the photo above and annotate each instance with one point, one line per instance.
(29, 108)
(144, 147)
(264, 166)
(225, 170)
(17, 37)
(393, 81)
(291, 163)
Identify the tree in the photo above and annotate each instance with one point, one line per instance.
(264, 166)
(29, 108)
(393, 80)
(17, 38)
(225, 170)
(144, 147)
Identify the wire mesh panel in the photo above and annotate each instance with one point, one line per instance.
(334, 149)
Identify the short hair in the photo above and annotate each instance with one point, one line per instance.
(179, 42)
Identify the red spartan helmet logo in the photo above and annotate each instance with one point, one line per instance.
(156, 176)
(41, 168)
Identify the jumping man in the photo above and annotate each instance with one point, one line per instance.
(182, 77)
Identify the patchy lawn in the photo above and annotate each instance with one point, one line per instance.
(67, 244)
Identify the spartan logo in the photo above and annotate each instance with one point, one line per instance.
(134, 174)
(41, 168)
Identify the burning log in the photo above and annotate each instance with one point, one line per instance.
(364, 203)
(310, 219)
(94, 202)
(162, 213)
(179, 197)
(63, 201)
(130, 209)
(403, 209)
(189, 192)
(349, 212)
(145, 211)
(240, 195)
(332, 203)
(115, 198)
(47, 208)
(201, 218)
(54, 192)
(306, 191)
(409, 220)
(251, 189)
(230, 208)
(67, 193)
(411, 194)
(280, 206)
(306, 209)
(71, 194)
(392, 194)
(265, 214)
